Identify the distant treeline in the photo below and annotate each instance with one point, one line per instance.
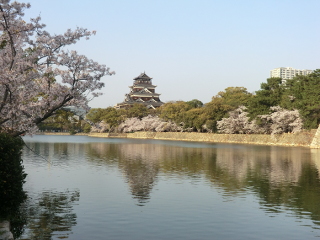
(277, 107)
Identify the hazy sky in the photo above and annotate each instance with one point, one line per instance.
(191, 48)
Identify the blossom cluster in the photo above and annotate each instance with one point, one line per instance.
(278, 121)
(148, 123)
(37, 74)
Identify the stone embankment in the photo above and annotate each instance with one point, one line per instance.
(305, 138)
(60, 133)
(316, 139)
(309, 138)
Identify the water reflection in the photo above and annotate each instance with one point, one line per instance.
(12, 217)
(50, 214)
(56, 154)
(282, 178)
(139, 164)
(283, 181)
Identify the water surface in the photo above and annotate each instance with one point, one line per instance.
(99, 188)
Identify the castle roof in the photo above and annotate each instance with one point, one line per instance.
(144, 94)
(143, 76)
(142, 85)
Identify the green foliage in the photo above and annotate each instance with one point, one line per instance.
(12, 175)
(235, 96)
(137, 110)
(109, 115)
(195, 103)
(222, 103)
(95, 115)
(114, 117)
(62, 120)
(189, 114)
(269, 95)
(193, 115)
(86, 128)
(215, 111)
(303, 93)
(193, 119)
(174, 111)
(72, 131)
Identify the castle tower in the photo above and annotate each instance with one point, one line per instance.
(142, 91)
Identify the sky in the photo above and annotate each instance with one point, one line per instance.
(192, 49)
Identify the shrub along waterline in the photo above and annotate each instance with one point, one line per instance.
(12, 178)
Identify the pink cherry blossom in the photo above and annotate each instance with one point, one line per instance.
(38, 75)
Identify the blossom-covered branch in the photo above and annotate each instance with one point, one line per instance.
(37, 76)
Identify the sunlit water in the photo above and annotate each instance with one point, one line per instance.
(98, 188)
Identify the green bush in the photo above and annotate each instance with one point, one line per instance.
(12, 175)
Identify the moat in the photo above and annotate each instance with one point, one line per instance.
(82, 187)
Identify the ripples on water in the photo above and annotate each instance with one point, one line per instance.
(95, 188)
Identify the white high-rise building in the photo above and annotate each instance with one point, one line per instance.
(288, 72)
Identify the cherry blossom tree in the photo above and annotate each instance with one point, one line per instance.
(237, 122)
(279, 121)
(168, 127)
(282, 121)
(148, 123)
(38, 75)
(100, 127)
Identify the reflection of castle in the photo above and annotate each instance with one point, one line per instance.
(143, 92)
(138, 162)
(277, 175)
(141, 177)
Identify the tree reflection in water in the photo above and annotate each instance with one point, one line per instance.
(283, 178)
(50, 214)
(140, 178)
(139, 163)
(13, 214)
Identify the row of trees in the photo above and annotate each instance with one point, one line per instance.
(277, 107)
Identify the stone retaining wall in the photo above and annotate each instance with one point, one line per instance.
(306, 138)
(316, 140)
(60, 133)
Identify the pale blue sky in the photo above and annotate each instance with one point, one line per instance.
(191, 48)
